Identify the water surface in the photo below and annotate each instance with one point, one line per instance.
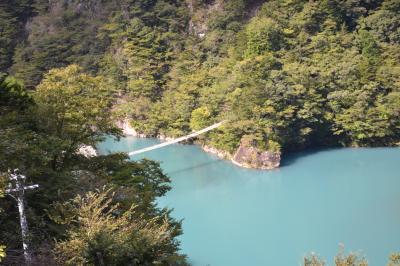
(317, 200)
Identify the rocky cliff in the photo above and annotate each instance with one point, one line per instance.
(127, 129)
(247, 155)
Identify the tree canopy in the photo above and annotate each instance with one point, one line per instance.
(41, 133)
(286, 74)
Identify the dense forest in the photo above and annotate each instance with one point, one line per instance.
(286, 74)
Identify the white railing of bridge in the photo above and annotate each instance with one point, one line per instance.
(192, 135)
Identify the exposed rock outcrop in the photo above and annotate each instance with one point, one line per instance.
(87, 151)
(248, 156)
(128, 130)
(165, 138)
(200, 15)
(219, 153)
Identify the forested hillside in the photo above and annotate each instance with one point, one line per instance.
(286, 75)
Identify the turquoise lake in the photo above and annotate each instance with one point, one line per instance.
(313, 203)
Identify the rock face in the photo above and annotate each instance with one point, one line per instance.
(128, 130)
(218, 153)
(165, 138)
(87, 151)
(251, 157)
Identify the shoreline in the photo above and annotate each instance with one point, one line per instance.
(128, 130)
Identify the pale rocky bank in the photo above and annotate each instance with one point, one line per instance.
(247, 155)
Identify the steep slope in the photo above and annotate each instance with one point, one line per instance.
(287, 74)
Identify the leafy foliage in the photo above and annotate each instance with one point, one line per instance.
(351, 259)
(102, 234)
(72, 106)
(294, 74)
(298, 74)
(286, 74)
(313, 260)
(341, 259)
(13, 15)
(2, 252)
(61, 34)
(394, 259)
(14, 105)
(2, 193)
(41, 134)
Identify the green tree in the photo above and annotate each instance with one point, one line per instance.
(61, 34)
(2, 193)
(200, 118)
(102, 234)
(263, 35)
(8, 34)
(13, 15)
(143, 180)
(2, 252)
(384, 22)
(15, 132)
(146, 43)
(73, 107)
(40, 135)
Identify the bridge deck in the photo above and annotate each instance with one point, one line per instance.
(192, 135)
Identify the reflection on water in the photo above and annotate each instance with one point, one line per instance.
(318, 199)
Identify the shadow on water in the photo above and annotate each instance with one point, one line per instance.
(197, 166)
(291, 158)
(287, 160)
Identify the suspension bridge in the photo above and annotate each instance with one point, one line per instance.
(180, 139)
